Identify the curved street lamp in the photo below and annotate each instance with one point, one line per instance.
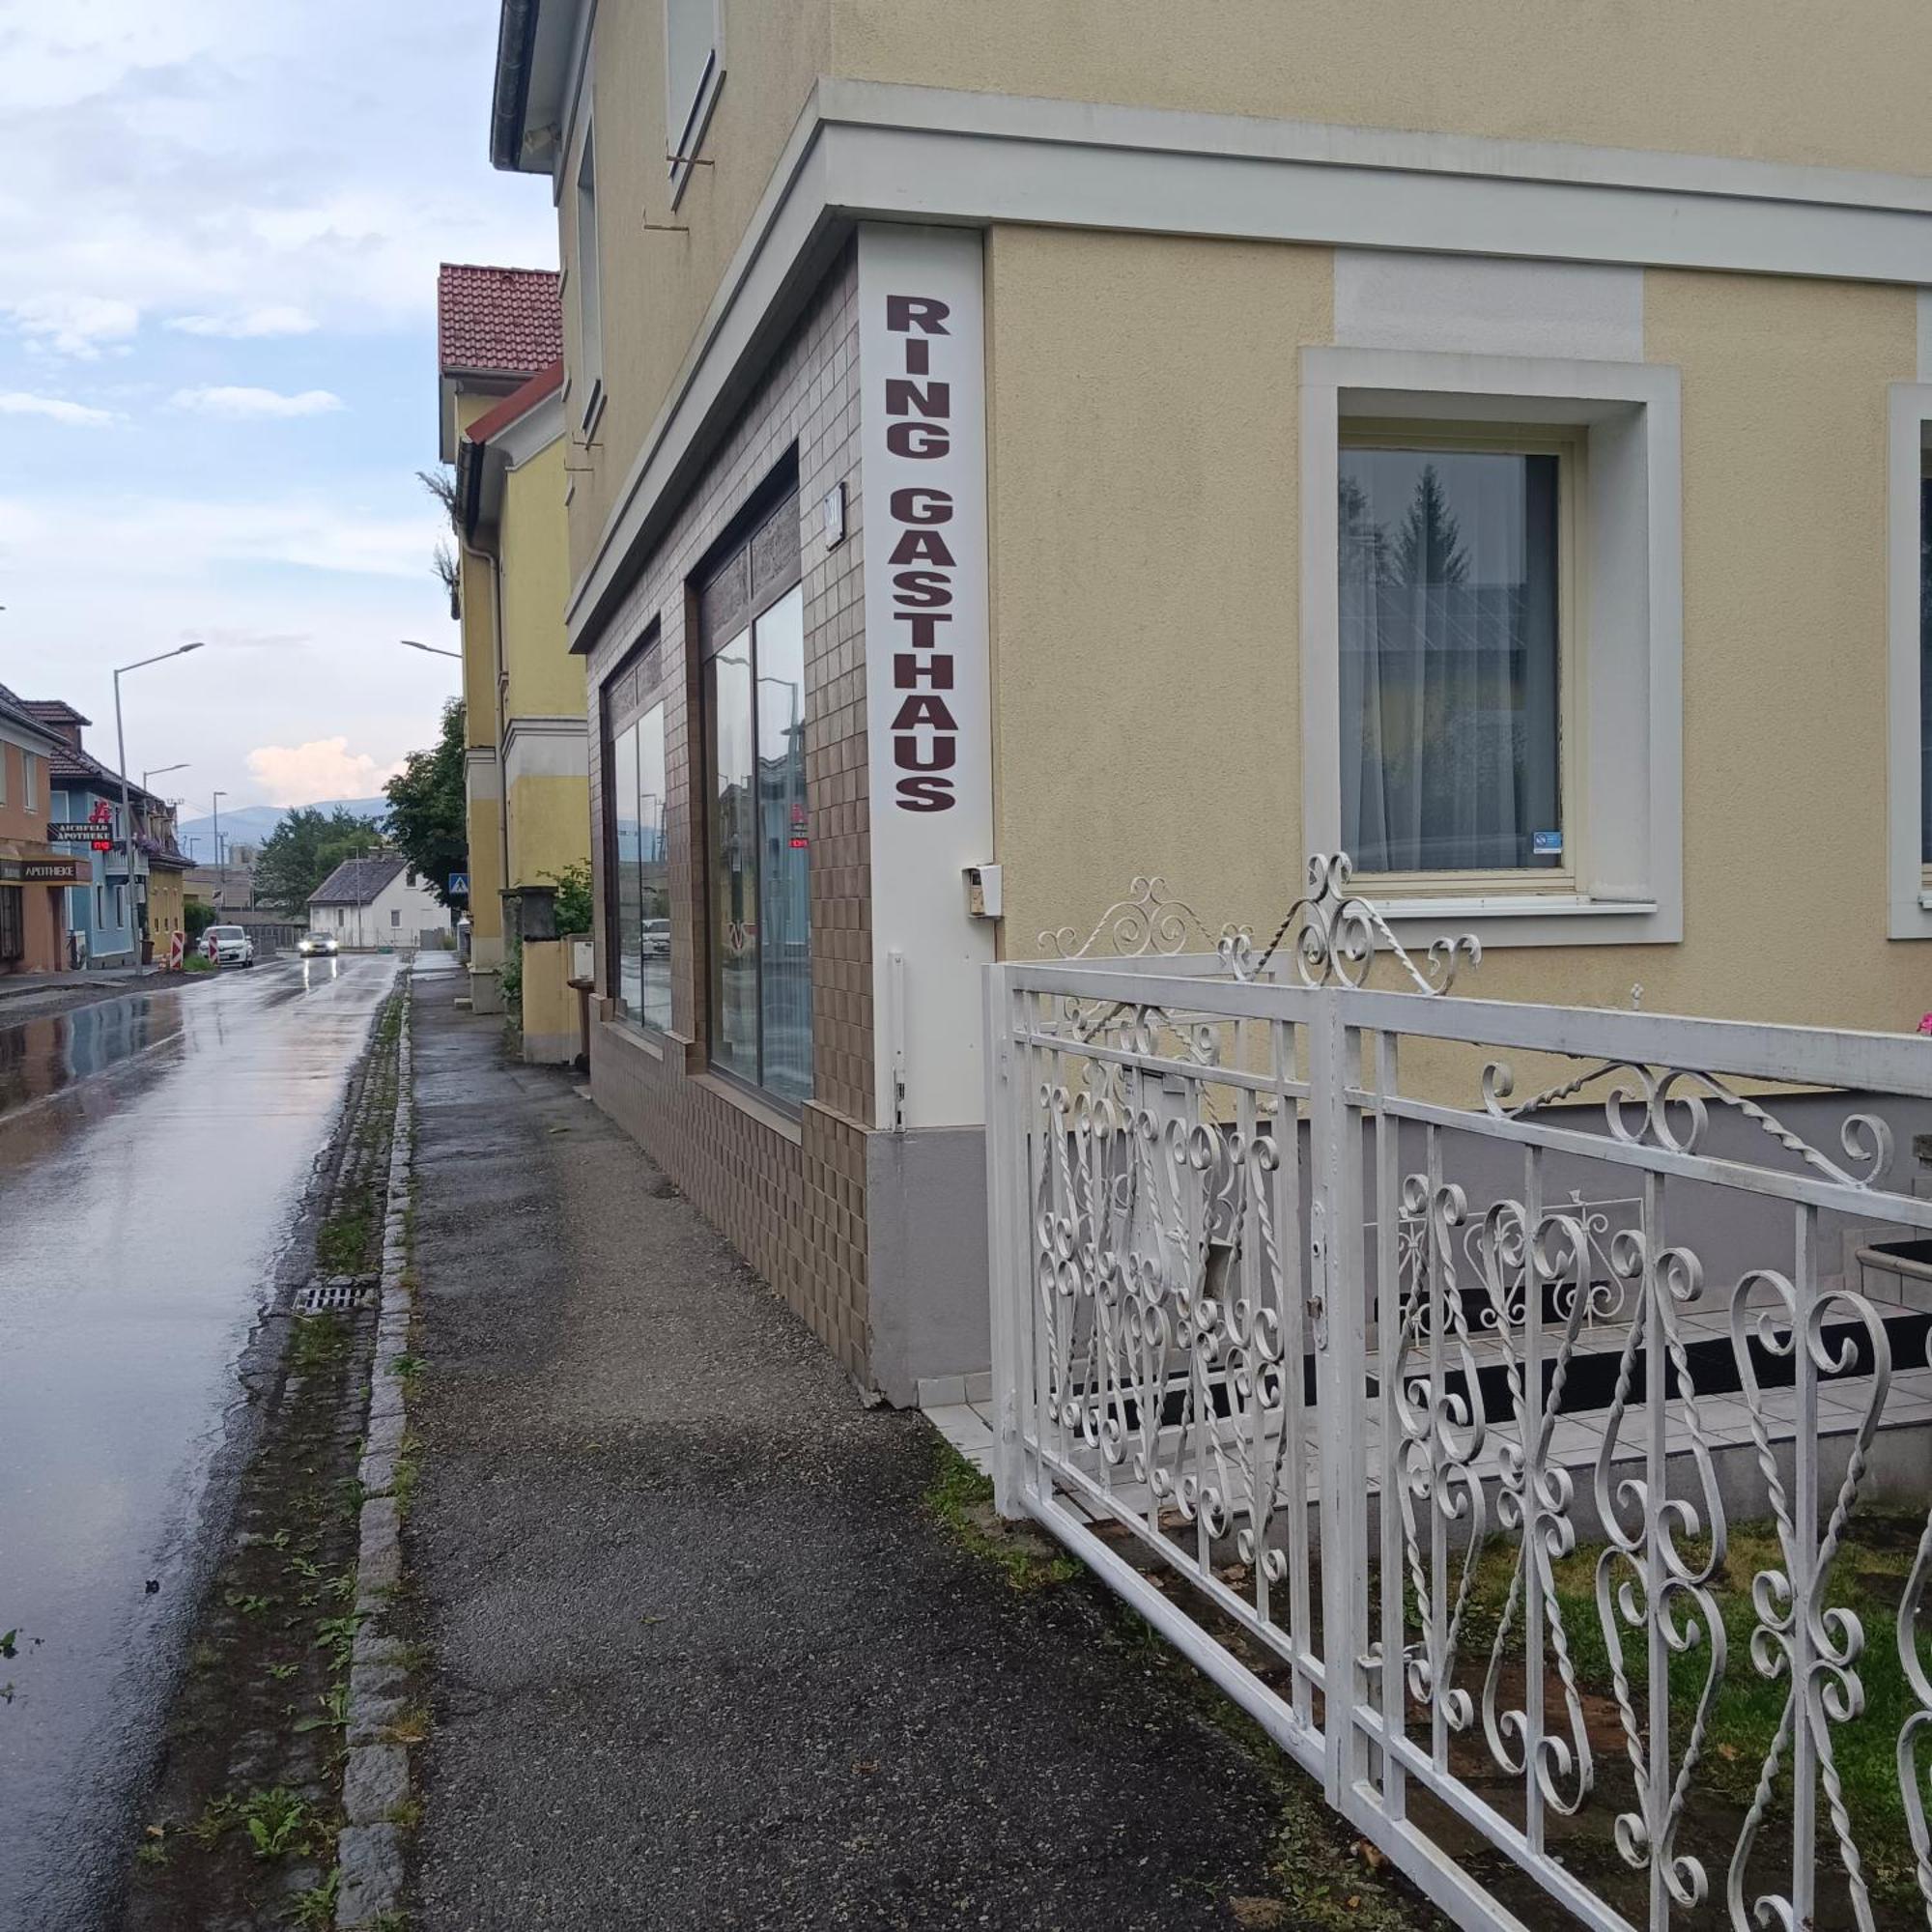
(120, 751)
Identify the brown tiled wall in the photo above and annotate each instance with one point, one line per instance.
(794, 1207)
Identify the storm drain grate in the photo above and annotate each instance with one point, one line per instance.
(335, 1291)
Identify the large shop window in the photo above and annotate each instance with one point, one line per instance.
(638, 887)
(753, 615)
(1453, 623)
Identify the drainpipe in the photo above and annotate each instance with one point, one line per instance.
(478, 554)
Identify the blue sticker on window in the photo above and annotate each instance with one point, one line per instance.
(1547, 844)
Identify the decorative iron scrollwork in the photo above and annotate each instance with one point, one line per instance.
(1332, 934)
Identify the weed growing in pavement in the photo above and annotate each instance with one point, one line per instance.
(337, 1637)
(961, 1500)
(249, 1602)
(408, 1366)
(334, 1711)
(341, 1247)
(217, 1815)
(411, 1727)
(320, 1343)
(277, 1820)
(314, 1910)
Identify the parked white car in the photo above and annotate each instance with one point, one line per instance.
(228, 946)
(318, 945)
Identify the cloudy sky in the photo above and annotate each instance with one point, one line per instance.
(220, 227)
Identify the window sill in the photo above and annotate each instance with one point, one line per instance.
(1510, 905)
(1502, 920)
(765, 1112)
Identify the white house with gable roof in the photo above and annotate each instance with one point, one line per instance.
(372, 902)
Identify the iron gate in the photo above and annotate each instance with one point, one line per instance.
(1524, 1411)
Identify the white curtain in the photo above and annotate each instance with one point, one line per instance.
(1449, 657)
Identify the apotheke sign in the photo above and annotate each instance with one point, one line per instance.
(44, 871)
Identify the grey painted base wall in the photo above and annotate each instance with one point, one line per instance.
(925, 1197)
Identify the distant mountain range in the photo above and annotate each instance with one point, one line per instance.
(251, 824)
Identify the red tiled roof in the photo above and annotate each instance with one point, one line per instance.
(519, 402)
(503, 321)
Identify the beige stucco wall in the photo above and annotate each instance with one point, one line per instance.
(550, 828)
(545, 681)
(1144, 595)
(1843, 86)
(1846, 90)
(1145, 538)
(658, 286)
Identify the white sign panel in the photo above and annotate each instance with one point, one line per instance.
(922, 366)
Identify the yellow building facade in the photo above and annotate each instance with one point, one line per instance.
(1194, 323)
(526, 765)
(524, 688)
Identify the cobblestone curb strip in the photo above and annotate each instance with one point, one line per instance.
(376, 1777)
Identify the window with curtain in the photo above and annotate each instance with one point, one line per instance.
(637, 874)
(1451, 658)
(753, 612)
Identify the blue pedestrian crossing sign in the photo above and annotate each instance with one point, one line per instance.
(459, 885)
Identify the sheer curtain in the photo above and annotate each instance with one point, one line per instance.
(1449, 660)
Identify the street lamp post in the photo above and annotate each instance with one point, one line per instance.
(215, 804)
(121, 749)
(156, 771)
(435, 650)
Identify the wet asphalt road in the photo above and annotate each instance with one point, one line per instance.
(154, 1154)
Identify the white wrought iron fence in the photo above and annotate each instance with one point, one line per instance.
(1549, 1475)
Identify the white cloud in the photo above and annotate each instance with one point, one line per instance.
(217, 400)
(322, 768)
(235, 166)
(72, 324)
(56, 408)
(170, 538)
(245, 325)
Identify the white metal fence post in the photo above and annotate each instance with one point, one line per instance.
(1337, 1277)
(1006, 1273)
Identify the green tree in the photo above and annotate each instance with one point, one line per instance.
(427, 822)
(304, 848)
(1429, 545)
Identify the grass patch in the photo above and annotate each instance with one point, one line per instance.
(1869, 1580)
(341, 1247)
(960, 1499)
(319, 1343)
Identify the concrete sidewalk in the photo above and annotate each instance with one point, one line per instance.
(703, 1656)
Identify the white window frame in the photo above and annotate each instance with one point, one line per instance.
(685, 121)
(1627, 865)
(30, 785)
(3, 768)
(589, 279)
(1909, 449)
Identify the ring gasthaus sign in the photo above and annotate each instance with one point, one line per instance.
(922, 366)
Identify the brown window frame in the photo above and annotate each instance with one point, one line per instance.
(753, 565)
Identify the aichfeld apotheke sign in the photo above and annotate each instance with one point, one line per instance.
(78, 831)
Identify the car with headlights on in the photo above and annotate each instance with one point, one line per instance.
(318, 946)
